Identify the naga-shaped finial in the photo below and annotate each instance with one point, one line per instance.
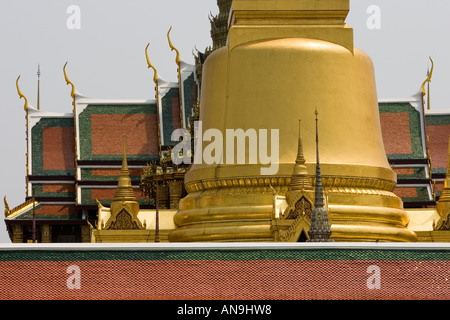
(172, 47)
(72, 94)
(155, 77)
(430, 74)
(6, 207)
(21, 95)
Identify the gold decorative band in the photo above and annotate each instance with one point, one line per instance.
(334, 183)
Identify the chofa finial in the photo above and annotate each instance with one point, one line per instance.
(21, 95)
(72, 93)
(173, 47)
(155, 76)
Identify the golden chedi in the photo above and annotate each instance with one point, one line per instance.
(284, 59)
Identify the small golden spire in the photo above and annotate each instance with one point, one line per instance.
(72, 94)
(124, 207)
(155, 77)
(21, 95)
(124, 189)
(172, 47)
(300, 178)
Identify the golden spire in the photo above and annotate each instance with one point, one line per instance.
(155, 77)
(300, 178)
(72, 94)
(124, 189)
(428, 80)
(21, 95)
(172, 47)
(124, 208)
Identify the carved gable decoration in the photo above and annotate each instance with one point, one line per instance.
(303, 208)
(123, 219)
(296, 219)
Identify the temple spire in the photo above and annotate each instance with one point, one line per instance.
(300, 178)
(124, 189)
(124, 207)
(320, 230)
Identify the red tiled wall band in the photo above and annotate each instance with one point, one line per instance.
(108, 131)
(56, 210)
(58, 148)
(396, 133)
(58, 188)
(225, 280)
(406, 192)
(438, 145)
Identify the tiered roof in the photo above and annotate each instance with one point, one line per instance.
(74, 159)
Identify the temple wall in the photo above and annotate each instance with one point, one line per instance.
(225, 271)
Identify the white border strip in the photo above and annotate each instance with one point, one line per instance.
(219, 246)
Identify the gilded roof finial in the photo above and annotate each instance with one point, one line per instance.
(172, 46)
(427, 81)
(179, 75)
(155, 77)
(6, 207)
(72, 94)
(21, 95)
(155, 80)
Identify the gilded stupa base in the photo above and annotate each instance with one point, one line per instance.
(241, 214)
(242, 210)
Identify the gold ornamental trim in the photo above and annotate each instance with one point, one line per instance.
(333, 183)
(21, 208)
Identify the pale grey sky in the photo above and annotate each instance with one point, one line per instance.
(106, 56)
